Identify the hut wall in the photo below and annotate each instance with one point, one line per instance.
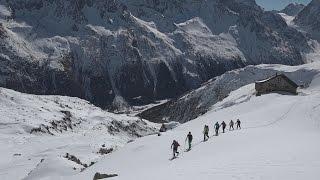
(275, 84)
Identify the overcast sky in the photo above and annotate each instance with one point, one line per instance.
(278, 4)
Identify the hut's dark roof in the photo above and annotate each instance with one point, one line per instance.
(281, 75)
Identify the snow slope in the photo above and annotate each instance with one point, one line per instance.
(36, 132)
(278, 141)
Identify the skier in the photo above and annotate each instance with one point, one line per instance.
(223, 124)
(238, 124)
(175, 146)
(205, 132)
(217, 126)
(189, 138)
(231, 125)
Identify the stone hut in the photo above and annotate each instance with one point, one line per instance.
(279, 82)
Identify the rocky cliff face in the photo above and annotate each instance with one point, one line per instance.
(293, 9)
(121, 53)
(309, 19)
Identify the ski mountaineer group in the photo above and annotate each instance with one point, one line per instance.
(175, 144)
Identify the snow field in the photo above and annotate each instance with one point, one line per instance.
(277, 141)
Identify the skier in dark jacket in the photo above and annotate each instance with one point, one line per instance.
(238, 124)
(231, 125)
(223, 124)
(175, 146)
(216, 127)
(205, 132)
(189, 138)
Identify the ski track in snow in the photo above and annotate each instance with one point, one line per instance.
(275, 121)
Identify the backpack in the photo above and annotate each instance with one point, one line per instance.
(217, 126)
(206, 129)
(175, 144)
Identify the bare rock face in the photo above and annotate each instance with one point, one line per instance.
(293, 9)
(122, 53)
(309, 19)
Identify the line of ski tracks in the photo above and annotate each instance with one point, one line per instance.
(281, 118)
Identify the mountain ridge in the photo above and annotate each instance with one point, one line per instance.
(293, 9)
(308, 19)
(138, 50)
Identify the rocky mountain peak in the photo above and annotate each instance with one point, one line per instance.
(293, 9)
(309, 19)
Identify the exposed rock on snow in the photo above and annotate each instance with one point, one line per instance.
(105, 150)
(78, 161)
(103, 176)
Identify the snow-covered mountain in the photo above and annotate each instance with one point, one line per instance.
(309, 19)
(121, 53)
(293, 9)
(199, 101)
(126, 53)
(37, 132)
